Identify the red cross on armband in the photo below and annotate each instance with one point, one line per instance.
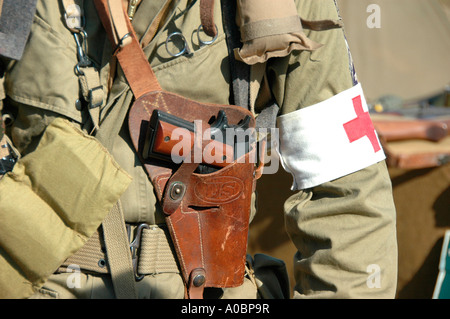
(361, 126)
(329, 139)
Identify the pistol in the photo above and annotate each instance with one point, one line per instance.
(171, 138)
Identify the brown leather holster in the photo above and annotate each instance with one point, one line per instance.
(207, 214)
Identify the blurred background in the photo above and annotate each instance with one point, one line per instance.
(401, 52)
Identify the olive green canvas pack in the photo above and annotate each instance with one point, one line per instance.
(51, 203)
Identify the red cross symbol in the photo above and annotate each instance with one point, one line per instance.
(361, 125)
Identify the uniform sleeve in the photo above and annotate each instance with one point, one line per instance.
(342, 216)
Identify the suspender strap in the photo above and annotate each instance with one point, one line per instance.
(119, 254)
(240, 72)
(141, 80)
(87, 73)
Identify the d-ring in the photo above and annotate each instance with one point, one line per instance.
(200, 41)
(185, 46)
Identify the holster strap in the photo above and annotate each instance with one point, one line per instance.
(207, 17)
(134, 63)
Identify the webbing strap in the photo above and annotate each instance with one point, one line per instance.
(88, 76)
(155, 255)
(119, 254)
(141, 80)
(240, 72)
(268, 27)
(91, 257)
(73, 15)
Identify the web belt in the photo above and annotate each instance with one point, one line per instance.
(154, 253)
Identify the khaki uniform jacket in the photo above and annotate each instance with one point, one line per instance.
(341, 228)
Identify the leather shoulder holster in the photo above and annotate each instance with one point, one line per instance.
(207, 214)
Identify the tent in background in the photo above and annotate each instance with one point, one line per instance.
(399, 47)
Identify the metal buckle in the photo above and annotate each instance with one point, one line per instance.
(90, 97)
(134, 247)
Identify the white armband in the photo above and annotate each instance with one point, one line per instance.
(328, 140)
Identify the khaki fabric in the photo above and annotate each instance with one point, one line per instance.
(51, 203)
(344, 228)
(269, 29)
(307, 78)
(325, 223)
(347, 250)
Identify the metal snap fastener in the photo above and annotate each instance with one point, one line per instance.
(199, 280)
(177, 190)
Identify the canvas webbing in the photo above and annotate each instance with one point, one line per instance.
(245, 79)
(270, 27)
(91, 257)
(155, 255)
(119, 254)
(114, 231)
(141, 80)
(88, 76)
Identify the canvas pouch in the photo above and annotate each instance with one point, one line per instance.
(51, 203)
(269, 29)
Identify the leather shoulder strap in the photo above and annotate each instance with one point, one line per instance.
(132, 59)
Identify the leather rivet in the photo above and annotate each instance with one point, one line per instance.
(176, 190)
(199, 280)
